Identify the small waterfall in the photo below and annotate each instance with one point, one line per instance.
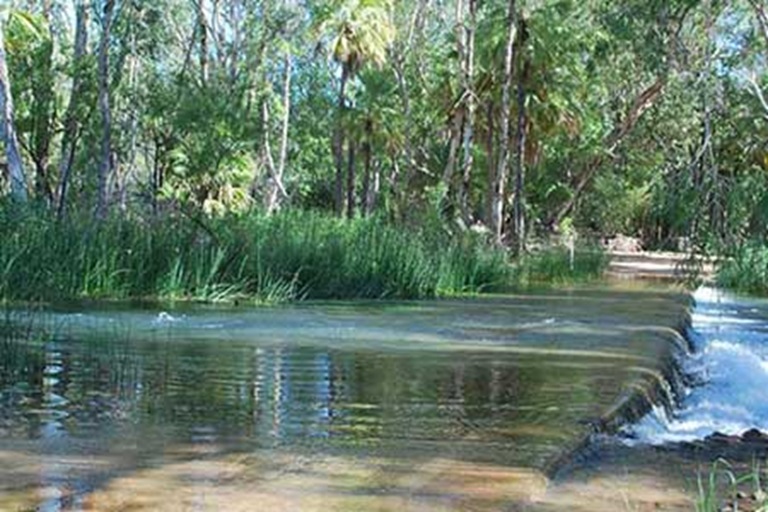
(728, 370)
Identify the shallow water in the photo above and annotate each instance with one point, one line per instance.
(730, 363)
(447, 405)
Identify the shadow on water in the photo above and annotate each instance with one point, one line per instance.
(433, 405)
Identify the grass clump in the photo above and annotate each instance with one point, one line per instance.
(558, 266)
(249, 257)
(722, 489)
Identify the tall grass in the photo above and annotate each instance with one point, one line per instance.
(252, 257)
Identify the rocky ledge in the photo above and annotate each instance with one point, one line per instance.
(750, 445)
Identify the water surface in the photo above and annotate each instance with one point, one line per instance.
(446, 405)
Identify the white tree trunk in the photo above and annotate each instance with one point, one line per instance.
(468, 78)
(277, 191)
(498, 191)
(8, 131)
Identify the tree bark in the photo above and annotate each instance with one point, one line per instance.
(105, 166)
(8, 130)
(498, 191)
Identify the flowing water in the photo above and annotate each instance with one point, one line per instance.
(445, 405)
(730, 365)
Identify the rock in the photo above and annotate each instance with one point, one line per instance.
(759, 496)
(724, 439)
(621, 243)
(755, 436)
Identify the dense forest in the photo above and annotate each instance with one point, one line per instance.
(504, 121)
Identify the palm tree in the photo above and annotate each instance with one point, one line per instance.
(360, 31)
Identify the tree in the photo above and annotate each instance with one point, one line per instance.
(8, 129)
(30, 53)
(360, 31)
(105, 165)
(72, 124)
(498, 186)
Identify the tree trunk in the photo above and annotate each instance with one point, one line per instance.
(133, 130)
(405, 99)
(105, 166)
(457, 122)
(71, 123)
(202, 27)
(498, 191)
(338, 145)
(277, 192)
(468, 67)
(519, 213)
(351, 178)
(266, 149)
(8, 130)
(367, 178)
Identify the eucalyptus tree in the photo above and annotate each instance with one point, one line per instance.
(499, 180)
(105, 109)
(8, 128)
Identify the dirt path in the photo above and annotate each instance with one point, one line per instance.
(661, 266)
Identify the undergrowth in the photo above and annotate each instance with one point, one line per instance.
(746, 270)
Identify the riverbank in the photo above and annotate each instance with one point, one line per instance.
(257, 259)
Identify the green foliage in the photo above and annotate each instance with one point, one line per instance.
(249, 257)
(746, 270)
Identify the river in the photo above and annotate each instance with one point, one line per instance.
(445, 405)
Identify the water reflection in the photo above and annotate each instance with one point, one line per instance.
(82, 408)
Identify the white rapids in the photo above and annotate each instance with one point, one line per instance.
(730, 364)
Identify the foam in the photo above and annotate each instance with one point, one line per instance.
(731, 363)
